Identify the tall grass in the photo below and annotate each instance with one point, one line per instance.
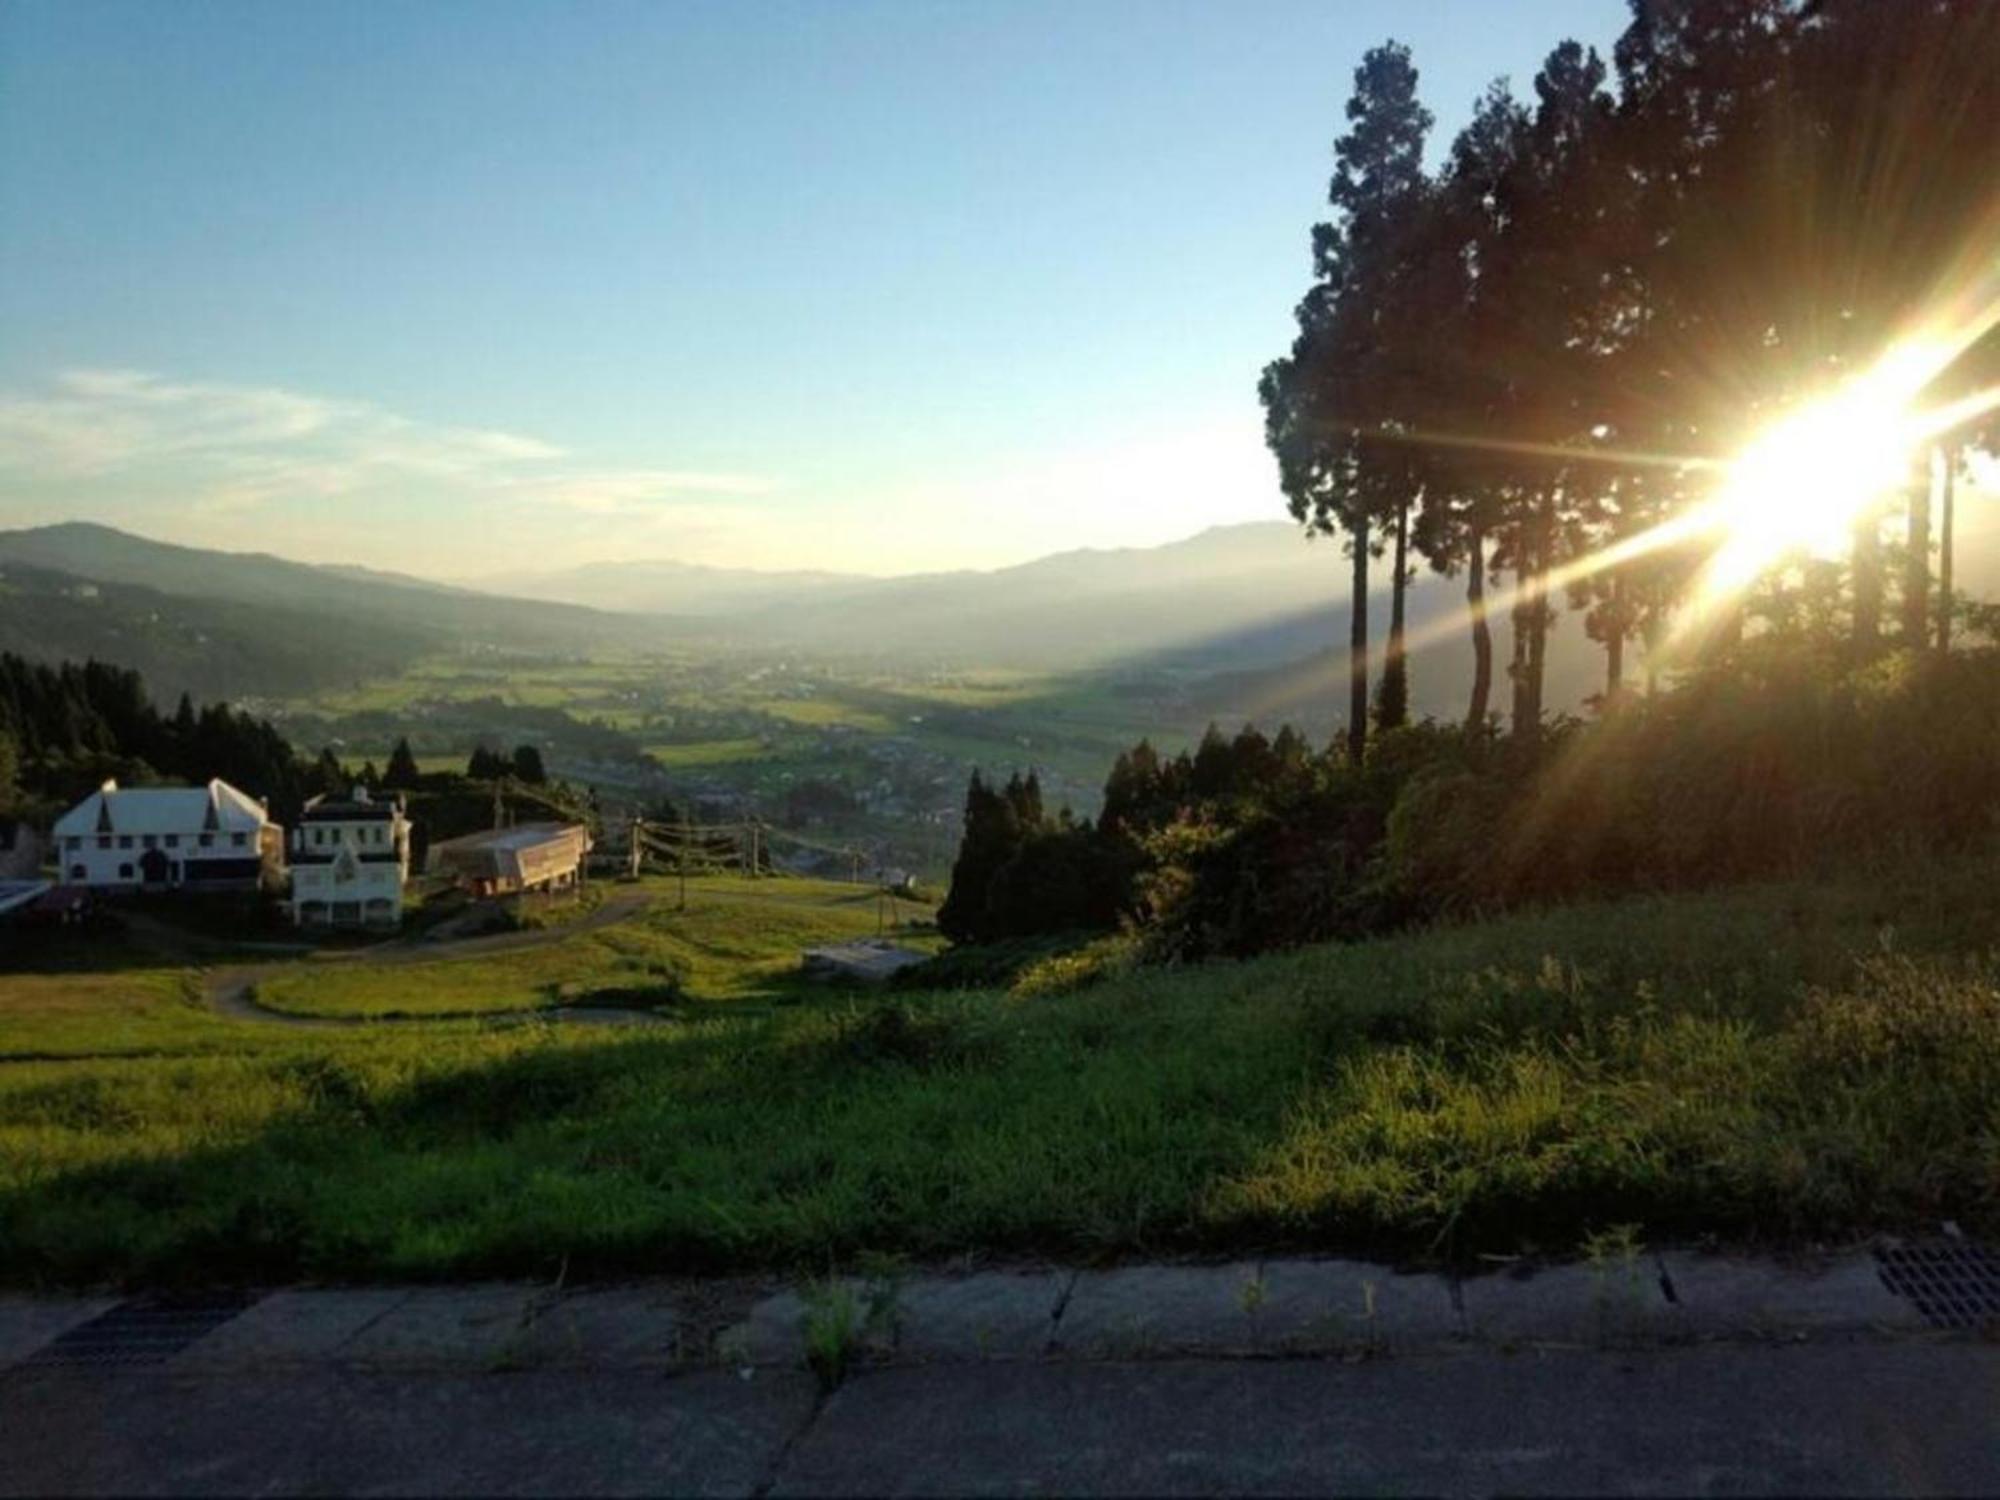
(1775, 1063)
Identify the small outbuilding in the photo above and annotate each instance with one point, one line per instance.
(506, 861)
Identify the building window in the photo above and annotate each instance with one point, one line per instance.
(147, 840)
(104, 841)
(78, 872)
(173, 841)
(124, 841)
(239, 839)
(72, 843)
(207, 841)
(316, 838)
(124, 872)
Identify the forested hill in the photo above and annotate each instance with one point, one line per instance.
(108, 555)
(224, 624)
(210, 649)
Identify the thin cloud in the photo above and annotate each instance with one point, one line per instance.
(245, 447)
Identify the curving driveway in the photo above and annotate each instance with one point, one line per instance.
(230, 991)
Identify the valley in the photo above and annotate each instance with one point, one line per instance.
(844, 712)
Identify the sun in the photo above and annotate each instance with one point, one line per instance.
(1801, 485)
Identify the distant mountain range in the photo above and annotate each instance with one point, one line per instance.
(663, 587)
(1255, 602)
(1071, 609)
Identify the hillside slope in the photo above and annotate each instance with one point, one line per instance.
(444, 616)
(207, 649)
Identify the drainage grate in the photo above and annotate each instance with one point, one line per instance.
(144, 1331)
(1953, 1285)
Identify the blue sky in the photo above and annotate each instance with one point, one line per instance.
(468, 287)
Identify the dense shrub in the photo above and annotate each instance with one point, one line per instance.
(1784, 759)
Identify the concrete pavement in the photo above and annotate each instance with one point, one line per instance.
(1856, 1417)
(1668, 1373)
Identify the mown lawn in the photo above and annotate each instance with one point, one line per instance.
(1777, 1064)
(738, 940)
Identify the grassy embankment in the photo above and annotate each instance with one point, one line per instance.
(1780, 1063)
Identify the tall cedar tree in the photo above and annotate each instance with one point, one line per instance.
(1326, 417)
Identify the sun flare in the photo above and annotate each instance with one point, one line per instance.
(1804, 482)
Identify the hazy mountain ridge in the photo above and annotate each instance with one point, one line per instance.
(1256, 606)
(662, 586)
(1087, 607)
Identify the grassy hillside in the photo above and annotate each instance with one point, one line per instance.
(1782, 1063)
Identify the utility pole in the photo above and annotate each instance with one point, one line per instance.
(687, 834)
(638, 833)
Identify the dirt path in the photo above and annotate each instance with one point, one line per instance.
(231, 991)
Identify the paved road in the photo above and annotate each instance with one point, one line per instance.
(231, 991)
(1876, 1418)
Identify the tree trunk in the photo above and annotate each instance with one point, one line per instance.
(1482, 633)
(1867, 569)
(1522, 621)
(1357, 646)
(1394, 704)
(1947, 484)
(1917, 569)
(1614, 640)
(1538, 620)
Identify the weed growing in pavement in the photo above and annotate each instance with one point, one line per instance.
(1618, 1290)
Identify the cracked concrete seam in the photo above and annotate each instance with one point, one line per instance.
(1056, 1312)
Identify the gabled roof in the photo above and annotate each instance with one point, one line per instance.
(520, 836)
(347, 810)
(217, 807)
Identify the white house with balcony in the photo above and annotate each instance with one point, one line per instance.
(350, 862)
(194, 838)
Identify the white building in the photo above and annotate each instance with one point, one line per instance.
(506, 861)
(205, 838)
(350, 862)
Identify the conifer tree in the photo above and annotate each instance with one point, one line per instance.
(528, 767)
(402, 773)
